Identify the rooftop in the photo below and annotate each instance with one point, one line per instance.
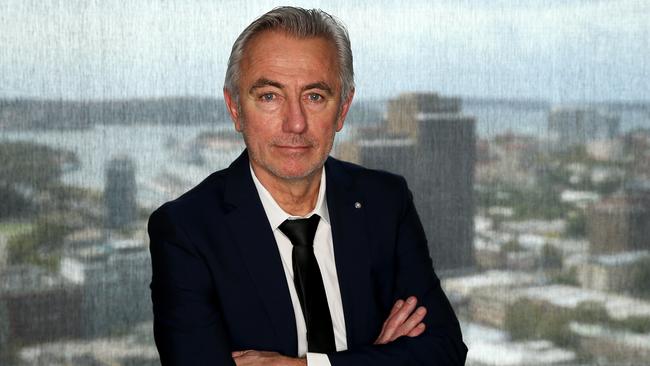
(386, 142)
(28, 279)
(617, 306)
(105, 351)
(630, 339)
(464, 285)
(621, 259)
(490, 346)
(443, 116)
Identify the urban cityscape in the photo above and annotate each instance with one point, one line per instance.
(537, 216)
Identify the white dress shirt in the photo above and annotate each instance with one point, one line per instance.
(324, 252)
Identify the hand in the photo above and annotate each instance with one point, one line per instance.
(404, 320)
(264, 358)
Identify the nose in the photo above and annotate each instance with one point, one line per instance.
(295, 120)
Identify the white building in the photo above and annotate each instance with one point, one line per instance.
(610, 272)
(114, 277)
(492, 347)
(617, 306)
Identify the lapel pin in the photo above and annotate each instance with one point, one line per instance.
(357, 205)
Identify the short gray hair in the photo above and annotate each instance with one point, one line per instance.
(300, 23)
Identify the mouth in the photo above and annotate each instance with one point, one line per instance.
(293, 148)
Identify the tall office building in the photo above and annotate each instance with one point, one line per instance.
(404, 112)
(620, 223)
(36, 306)
(432, 144)
(391, 154)
(120, 193)
(113, 277)
(570, 126)
(444, 184)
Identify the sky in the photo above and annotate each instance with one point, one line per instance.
(559, 51)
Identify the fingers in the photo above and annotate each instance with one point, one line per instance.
(386, 332)
(396, 307)
(398, 315)
(414, 320)
(419, 329)
(404, 319)
(239, 358)
(258, 358)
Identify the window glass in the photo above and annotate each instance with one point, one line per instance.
(522, 128)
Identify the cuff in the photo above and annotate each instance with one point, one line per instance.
(318, 359)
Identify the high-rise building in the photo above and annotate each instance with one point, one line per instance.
(113, 277)
(404, 111)
(120, 193)
(444, 186)
(570, 126)
(620, 223)
(391, 154)
(432, 144)
(36, 306)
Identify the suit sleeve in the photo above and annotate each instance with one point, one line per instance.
(441, 343)
(188, 327)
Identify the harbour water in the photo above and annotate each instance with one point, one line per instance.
(160, 151)
(146, 145)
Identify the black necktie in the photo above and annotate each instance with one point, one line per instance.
(309, 284)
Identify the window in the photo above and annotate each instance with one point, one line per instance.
(523, 130)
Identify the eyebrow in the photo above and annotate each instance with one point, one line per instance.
(263, 82)
(319, 85)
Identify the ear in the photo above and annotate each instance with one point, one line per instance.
(344, 111)
(231, 104)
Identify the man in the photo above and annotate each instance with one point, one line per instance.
(289, 257)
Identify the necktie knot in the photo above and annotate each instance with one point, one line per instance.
(301, 232)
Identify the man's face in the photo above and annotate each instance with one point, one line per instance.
(290, 99)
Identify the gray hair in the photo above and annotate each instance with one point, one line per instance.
(301, 23)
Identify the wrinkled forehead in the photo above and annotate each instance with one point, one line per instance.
(265, 40)
(287, 55)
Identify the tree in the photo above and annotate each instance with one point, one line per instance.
(522, 318)
(551, 257)
(591, 312)
(40, 246)
(637, 324)
(526, 319)
(640, 278)
(512, 246)
(27, 168)
(566, 277)
(576, 226)
(13, 204)
(30, 165)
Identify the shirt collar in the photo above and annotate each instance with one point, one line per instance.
(277, 215)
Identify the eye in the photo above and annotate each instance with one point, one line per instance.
(315, 97)
(268, 97)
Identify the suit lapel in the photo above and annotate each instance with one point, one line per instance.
(351, 250)
(252, 232)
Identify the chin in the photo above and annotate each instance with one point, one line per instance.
(297, 171)
(290, 168)
(296, 174)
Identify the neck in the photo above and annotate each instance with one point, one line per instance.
(297, 197)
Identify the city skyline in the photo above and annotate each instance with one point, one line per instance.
(523, 224)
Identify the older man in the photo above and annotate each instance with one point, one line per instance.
(288, 256)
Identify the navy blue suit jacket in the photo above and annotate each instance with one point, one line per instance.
(218, 284)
